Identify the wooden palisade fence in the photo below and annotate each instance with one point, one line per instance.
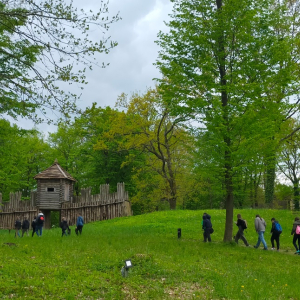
(98, 207)
(9, 210)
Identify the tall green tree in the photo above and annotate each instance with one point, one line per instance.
(44, 45)
(23, 154)
(76, 149)
(235, 64)
(289, 161)
(147, 126)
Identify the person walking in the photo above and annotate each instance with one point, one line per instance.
(79, 224)
(276, 230)
(18, 226)
(207, 227)
(33, 225)
(260, 227)
(25, 226)
(296, 233)
(64, 226)
(242, 225)
(39, 224)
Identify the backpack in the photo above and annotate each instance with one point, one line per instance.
(25, 224)
(80, 221)
(41, 219)
(33, 224)
(298, 229)
(278, 227)
(244, 224)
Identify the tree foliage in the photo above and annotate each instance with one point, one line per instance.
(230, 62)
(44, 45)
(77, 151)
(23, 154)
(147, 126)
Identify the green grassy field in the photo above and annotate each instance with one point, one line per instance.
(89, 266)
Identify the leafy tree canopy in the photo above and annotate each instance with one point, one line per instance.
(43, 45)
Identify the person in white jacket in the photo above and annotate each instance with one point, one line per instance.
(260, 227)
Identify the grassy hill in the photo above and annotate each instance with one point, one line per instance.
(88, 266)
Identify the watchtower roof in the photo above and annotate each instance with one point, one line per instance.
(54, 172)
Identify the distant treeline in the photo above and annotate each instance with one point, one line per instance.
(164, 162)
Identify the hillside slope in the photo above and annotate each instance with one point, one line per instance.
(88, 266)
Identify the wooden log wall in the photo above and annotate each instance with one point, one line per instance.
(102, 206)
(98, 207)
(15, 207)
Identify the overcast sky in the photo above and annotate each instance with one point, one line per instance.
(131, 66)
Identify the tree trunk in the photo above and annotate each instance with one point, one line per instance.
(270, 177)
(173, 188)
(296, 194)
(172, 202)
(228, 198)
(270, 183)
(227, 140)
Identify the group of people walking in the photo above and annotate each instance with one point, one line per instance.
(276, 230)
(260, 227)
(37, 225)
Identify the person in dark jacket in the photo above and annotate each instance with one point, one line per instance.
(18, 226)
(64, 226)
(275, 234)
(33, 225)
(206, 226)
(40, 224)
(79, 224)
(25, 226)
(296, 235)
(241, 224)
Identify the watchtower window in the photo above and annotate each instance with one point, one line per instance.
(50, 189)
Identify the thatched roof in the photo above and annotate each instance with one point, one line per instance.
(54, 172)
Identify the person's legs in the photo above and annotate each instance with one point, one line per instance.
(37, 229)
(23, 231)
(258, 241)
(262, 238)
(277, 241)
(244, 240)
(33, 231)
(80, 229)
(208, 234)
(272, 240)
(204, 236)
(41, 230)
(242, 237)
(294, 242)
(298, 237)
(237, 237)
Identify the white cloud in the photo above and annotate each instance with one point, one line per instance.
(131, 62)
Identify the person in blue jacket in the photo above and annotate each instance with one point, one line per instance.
(79, 224)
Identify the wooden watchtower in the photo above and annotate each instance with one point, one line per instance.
(54, 187)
